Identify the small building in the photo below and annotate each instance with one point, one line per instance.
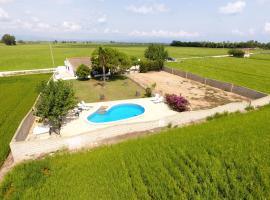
(68, 72)
(72, 64)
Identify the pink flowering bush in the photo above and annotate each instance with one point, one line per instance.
(177, 103)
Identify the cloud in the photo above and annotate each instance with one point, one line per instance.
(42, 25)
(249, 32)
(148, 9)
(113, 31)
(262, 2)
(237, 32)
(164, 34)
(233, 7)
(5, 1)
(102, 19)
(3, 15)
(71, 26)
(267, 27)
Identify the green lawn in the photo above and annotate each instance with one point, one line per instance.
(215, 160)
(37, 56)
(115, 89)
(253, 72)
(17, 95)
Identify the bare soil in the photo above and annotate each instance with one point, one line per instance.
(199, 95)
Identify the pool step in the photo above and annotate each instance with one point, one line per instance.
(102, 109)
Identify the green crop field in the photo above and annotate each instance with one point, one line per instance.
(17, 95)
(37, 56)
(215, 160)
(253, 72)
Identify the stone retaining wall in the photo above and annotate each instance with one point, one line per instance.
(24, 150)
(25, 126)
(229, 87)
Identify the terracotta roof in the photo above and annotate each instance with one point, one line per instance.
(76, 62)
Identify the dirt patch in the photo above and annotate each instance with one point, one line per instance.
(199, 95)
(6, 167)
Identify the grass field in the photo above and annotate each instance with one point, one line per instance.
(37, 56)
(253, 72)
(115, 89)
(209, 161)
(17, 95)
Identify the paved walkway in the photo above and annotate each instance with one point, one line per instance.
(26, 72)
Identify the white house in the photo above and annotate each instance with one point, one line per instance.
(68, 71)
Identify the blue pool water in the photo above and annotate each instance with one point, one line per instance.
(116, 113)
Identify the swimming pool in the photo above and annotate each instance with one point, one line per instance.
(117, 113)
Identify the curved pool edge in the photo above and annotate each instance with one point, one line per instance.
(117, 121)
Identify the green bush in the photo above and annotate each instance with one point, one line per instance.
(156, 52)
(236, 53)
(148, 65)
(83, 72)
(148, 92)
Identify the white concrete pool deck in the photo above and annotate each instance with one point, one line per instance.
(79, 134)
(80, 125)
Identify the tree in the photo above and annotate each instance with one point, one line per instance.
(9, 39)
(236, 53)
(108, 59)
(83, 72)
(55, 101)
(156, 52)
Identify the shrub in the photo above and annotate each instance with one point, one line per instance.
(148, 92)
(236, 53)
(177, 103)
(9, 39)
(156, 52)
(83, 72)
(148, 65)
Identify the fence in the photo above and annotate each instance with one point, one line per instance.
(229, 87)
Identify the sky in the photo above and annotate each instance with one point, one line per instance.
(136, 21)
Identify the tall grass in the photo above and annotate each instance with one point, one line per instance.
(17, 95)
(215, 160)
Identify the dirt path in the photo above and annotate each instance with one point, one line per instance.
(6, 167)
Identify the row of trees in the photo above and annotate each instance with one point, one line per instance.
(8, 39)
(105, 59)
(248, 44)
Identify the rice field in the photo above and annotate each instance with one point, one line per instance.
(251, 72)
(38, 56)
(215, 160)
(17, 96)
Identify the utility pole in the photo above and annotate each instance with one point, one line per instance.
(52, 54)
